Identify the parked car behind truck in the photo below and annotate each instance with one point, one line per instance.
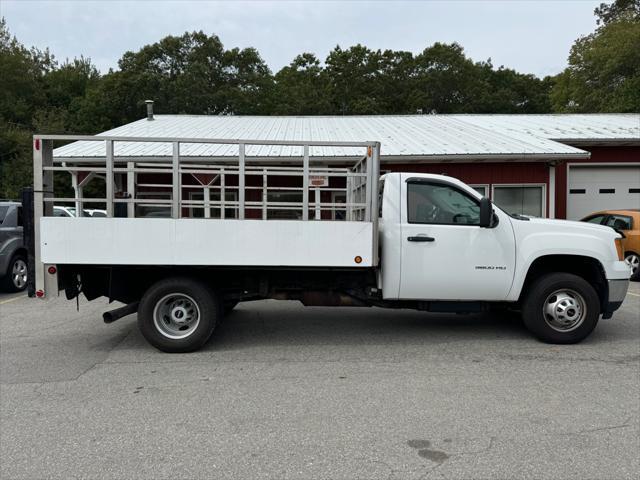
(419, 241)
(13, 254)
(627, 222)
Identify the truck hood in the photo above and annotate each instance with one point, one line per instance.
(574, 227)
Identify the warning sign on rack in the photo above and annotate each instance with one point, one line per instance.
(318, 181)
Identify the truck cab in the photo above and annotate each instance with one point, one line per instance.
(435, 245)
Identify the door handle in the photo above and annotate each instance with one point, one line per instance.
(421, 238)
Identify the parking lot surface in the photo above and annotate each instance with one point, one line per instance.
(282, 391)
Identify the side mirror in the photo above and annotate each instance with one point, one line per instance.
(486, 212)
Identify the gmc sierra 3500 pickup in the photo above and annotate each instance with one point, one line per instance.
(401, 240)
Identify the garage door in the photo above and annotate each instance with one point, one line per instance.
(602, 188)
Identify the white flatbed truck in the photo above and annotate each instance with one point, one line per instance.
(401, 240)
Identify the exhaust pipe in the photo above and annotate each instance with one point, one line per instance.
(113, 315)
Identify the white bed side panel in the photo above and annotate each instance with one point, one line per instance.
(166, 241)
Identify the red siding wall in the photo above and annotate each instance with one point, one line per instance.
(479, 173)
(483, 173)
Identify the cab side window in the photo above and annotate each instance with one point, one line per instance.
(440, 204)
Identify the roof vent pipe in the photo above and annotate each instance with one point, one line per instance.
(149, 109)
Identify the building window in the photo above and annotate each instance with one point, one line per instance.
(338, 213)
(481, 189)
(291, 212)
(197, 211)
(525, 199)
(153, 209)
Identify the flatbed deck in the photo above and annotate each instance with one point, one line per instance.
(174, 209)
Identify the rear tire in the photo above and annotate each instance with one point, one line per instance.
(561, 308)
(178, 315)
(17, 274)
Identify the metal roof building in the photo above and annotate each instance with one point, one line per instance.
(580, 129)
(419, 137)
(563, 165)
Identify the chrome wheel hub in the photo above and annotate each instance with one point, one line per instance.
(19, 273)
(176, 315)
(633, 261)
(564, 310)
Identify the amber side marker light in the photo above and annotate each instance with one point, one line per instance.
(619, 248)
(358, 259)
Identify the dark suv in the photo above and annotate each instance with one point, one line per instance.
(13, 254)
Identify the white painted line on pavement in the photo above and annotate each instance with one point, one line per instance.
(12, 299)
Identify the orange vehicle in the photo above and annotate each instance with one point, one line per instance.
(628, 222)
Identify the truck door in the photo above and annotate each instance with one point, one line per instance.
(446, 255)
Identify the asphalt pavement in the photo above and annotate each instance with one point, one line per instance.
(287, 392)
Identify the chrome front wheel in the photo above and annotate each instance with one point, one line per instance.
(634, 262)
(560, 307)
(564, 310)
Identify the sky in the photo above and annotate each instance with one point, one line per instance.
(529, 36)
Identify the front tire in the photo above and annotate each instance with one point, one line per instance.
(561, 308)
(178, 315)
(633, 259)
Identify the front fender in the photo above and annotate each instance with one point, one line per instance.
(535, 245)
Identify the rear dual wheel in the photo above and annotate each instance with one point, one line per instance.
(178, 315)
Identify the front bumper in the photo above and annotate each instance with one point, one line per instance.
(617, 291)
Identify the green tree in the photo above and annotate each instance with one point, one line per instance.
(446, 81)
(192, 73)
(353, 80)
(617, 10)
(394, 80)
(301, 88)
(513, 92)
(21, 93)
(21, 78)
(604, 71)
(36, 94)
